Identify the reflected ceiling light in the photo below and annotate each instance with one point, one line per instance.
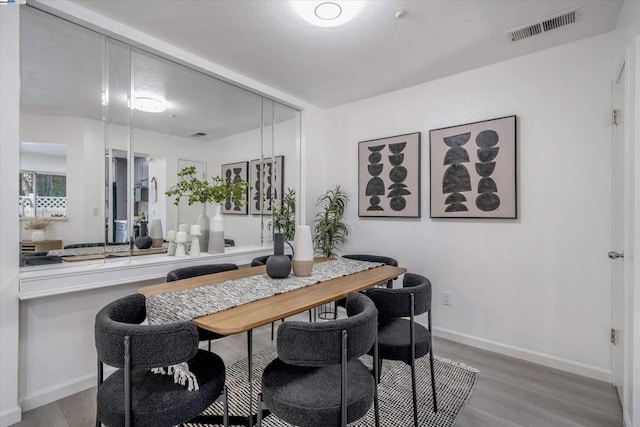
(148, 104)
(325, 13)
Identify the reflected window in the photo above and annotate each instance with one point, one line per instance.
(42, 194)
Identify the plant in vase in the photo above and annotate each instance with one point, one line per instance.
(38, 225)
(329, 227)
(203, 191)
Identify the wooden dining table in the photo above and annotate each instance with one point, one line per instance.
(246, 317)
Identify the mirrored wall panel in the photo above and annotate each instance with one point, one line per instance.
(106, 129)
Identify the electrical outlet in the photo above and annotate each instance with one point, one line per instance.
(446, 298)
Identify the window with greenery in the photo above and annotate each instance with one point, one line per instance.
(42, 194)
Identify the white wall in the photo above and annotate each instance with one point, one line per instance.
(9, 155)
(537, 287)
(84, 139)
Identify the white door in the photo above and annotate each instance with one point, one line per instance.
(619, 208)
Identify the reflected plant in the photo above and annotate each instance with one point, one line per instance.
(283, 219)
(203, 191)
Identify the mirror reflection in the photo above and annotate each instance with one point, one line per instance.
(105, 130)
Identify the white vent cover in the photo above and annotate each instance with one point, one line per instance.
(546, 24)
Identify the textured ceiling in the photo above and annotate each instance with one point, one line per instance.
(372, 54)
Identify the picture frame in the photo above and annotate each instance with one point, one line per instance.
(389, 177)
(488, 188)
(236, 171)
(267, 182)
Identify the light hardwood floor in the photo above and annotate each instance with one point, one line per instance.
(509, 392)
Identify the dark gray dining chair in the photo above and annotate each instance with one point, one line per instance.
(405, 339)
(318, 379)
(201, 270)
(133, 395)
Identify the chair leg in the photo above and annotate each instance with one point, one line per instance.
(433, 381)
(415, 397)
(225, 416)
(100, 378)
(272, 329)
(259, 421)
(209, 345)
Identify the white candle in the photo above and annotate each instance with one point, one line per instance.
(171, 235)
(195, 230)
(181, 236)
(183, 227)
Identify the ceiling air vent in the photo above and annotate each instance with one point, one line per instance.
(544, 25)
(198, 134)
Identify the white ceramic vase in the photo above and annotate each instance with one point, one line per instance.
(303, 255)
(216, 231)
(203, 222)
(38, 236)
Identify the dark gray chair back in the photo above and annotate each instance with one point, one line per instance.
(198, 270)
(397, 302)
(151, 345)
(319, 344)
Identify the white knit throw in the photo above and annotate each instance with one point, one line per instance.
(181, 375)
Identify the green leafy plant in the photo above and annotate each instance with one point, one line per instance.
(203, 191)
(283, 219)
(329, 228)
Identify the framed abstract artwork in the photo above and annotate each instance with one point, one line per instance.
(389, 177)
(267, 184)
(473, 170)
(234, 172)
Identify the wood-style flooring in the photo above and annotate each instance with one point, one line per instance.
(509, 392)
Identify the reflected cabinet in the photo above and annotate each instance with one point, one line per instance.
(105, 128)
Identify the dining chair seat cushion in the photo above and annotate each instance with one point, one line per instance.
(157, 400)
(393, 337)
(304, 397)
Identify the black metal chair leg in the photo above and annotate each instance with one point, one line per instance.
(433, 382)
(209, 345)
(415, 397)
(100, 378)
(225, 416)
(272, 329)
(259, 421)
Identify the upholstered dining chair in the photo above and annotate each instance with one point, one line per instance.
(405, 339)
(317, 379)
(201, 270)
(133, 395)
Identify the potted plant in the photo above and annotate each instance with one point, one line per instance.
(283, 219)
(329, 227)
(203, 191)
(38, 226)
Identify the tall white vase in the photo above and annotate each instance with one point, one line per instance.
(216, 232)
(203, 222)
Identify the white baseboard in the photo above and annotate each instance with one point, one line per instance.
(10, 416)
(62, 390)
(58, 391)
(528, 355)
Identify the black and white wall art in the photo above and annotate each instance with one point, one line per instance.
(267, 184)
(235, 172)
(389, 177)
(473, 170)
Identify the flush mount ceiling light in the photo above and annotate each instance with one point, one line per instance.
(148, 104)
(327, 13)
